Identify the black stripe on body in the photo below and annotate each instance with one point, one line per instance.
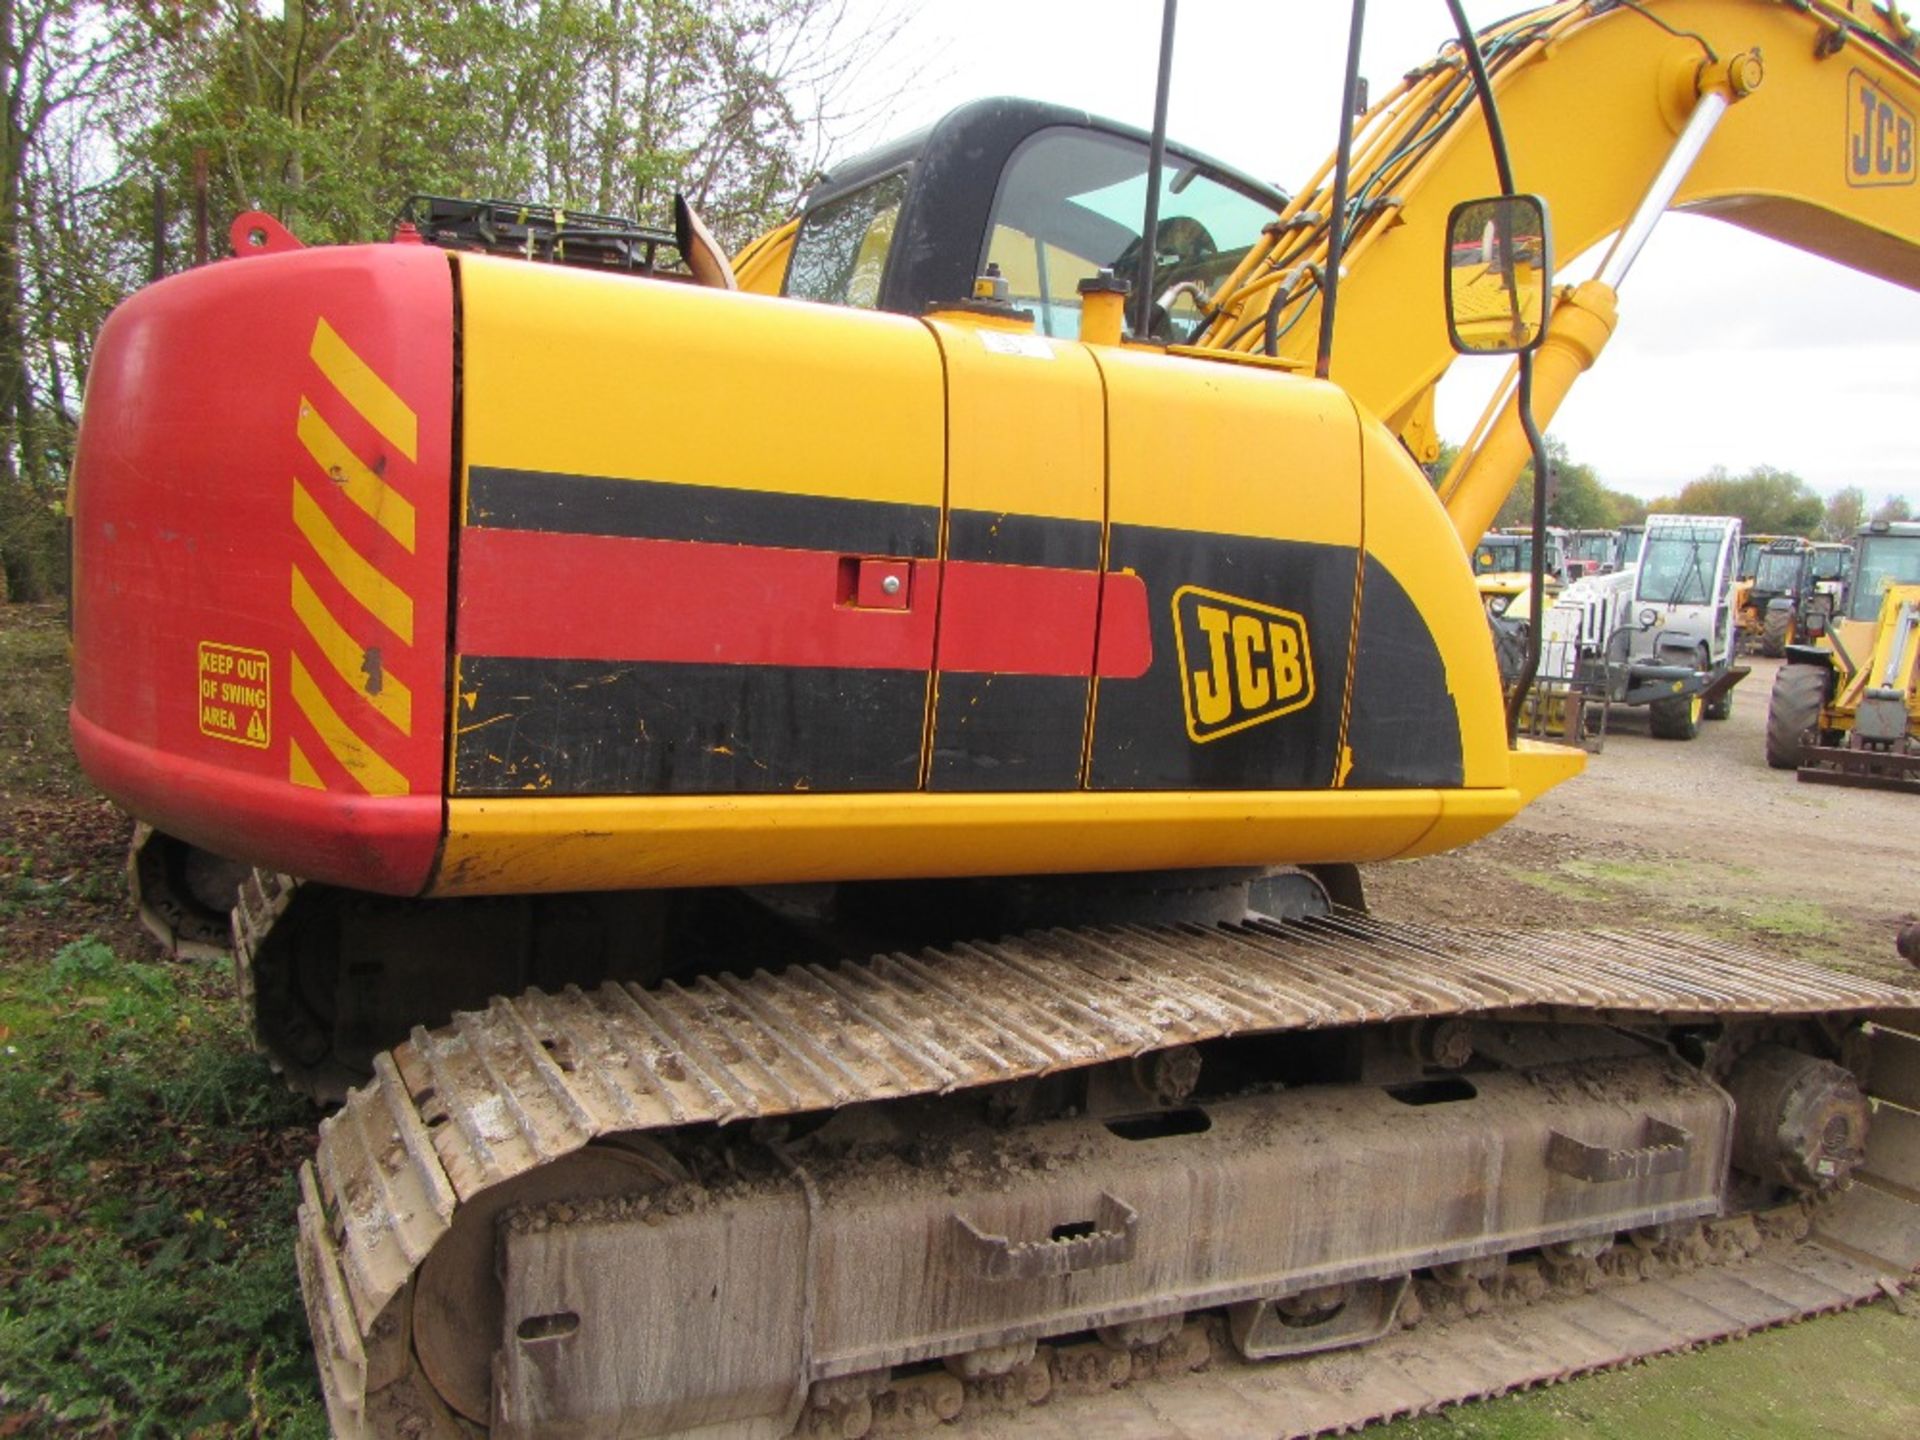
(1405, 728)
(999, 538)
(588, 727)
(1008, 732)
(664, 510)
(1140, 739)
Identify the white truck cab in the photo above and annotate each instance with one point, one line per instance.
(1659, 633)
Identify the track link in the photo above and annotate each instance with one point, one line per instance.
(497, 1094)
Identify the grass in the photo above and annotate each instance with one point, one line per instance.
(33, 701)
(146, 1155)
(1850, 1377)
(1688, 891)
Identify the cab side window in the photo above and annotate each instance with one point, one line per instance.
(1071, 201)
(840, 254)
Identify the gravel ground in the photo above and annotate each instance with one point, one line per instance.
(1698, 834)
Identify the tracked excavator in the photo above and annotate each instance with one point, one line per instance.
(814, 834)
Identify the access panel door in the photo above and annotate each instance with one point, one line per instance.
(699, 544)
(1235, 495)
(1021, 592)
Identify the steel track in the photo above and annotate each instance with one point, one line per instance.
(530, 1080)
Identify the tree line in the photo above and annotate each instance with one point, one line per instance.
(132, 131)
(1767, 500)
(1778, 502)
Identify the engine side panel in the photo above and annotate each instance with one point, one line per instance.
(1021, 599)
(677, 543)
(261, 507)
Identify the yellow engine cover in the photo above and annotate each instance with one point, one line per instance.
(754, 591)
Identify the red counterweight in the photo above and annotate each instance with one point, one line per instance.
(262, 500)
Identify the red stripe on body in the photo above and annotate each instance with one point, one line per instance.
(539, 594)
(1126, 636)
(536, 594)
(1017, 619)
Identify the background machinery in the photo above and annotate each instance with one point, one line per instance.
(1658, 634)
(1847, 710)
(1775, 594)
(620, 663)
(1592, 552)
(1832, 564)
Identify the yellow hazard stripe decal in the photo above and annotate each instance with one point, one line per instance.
(358, 758)
(383, 599)
(300, 769)
(391, 511)
(354, 663)
(365, 391)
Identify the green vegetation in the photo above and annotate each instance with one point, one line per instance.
(35, 758)
(1579, 500)
(146, 1155)
(329, 114)
(1768, 501)
(1686, 892)
(1852, 1377)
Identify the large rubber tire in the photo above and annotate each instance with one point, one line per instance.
(1675, 719)
(1775, 632)
(1722, 708)
(1794, 708)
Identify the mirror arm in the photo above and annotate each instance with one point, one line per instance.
(1524, 392)
(1530, 667)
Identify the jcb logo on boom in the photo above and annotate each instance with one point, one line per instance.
(1241, 663)
(1879, 135)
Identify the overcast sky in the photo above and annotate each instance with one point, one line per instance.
(1731, 350)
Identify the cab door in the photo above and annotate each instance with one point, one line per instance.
(1235, 494)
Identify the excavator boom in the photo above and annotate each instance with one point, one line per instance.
(1815, 149)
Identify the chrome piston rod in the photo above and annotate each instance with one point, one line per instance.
(1632, 238)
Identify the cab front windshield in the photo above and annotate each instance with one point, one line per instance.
(1884, 560)
(1830, 562)
(1677, 564)
(1502, 555)
(1071, 203)
(1779, 571)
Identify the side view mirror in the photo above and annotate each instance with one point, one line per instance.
(1499, 274)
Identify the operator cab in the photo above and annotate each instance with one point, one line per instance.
(1780, 566)
(1048, 195)
(1888, 554)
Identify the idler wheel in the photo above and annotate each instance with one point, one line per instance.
(1798, 1121)
(458, 1300)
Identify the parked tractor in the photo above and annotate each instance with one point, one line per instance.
(1846, 711)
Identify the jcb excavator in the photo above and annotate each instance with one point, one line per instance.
(881, 781)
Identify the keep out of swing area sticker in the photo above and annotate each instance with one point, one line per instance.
(235, 694)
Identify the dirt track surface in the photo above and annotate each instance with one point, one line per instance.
(1696, 835)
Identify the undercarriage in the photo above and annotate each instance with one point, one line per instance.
(1152, 1179)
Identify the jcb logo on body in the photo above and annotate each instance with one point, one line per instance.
(1880, 135)
(1241, 663)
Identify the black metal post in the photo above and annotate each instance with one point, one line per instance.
(1156, 157)
(1337, 218)
(1523, 393)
